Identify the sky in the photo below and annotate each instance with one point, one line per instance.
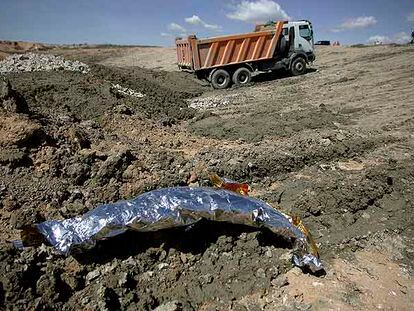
(158, 22)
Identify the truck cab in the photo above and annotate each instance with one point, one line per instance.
(299, 35)
(295, 49)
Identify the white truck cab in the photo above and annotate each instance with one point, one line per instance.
(302, 35)
(295, 49)
(299, 39)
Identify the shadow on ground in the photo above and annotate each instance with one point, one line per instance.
(194, 239)
(276, 75)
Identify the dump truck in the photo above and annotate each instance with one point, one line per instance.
(232, 59)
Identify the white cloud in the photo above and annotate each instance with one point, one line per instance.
(402, 38)
(166, 34)
(410, 17)
(196, 20)
(399, 38)
(213, 27)
(174, 27)
(379, 39)
(358, 23)
(258, 11)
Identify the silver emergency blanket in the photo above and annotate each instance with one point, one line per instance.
(174, 207)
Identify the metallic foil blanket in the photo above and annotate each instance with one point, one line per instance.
(174, 207)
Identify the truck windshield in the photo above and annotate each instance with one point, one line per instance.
(305, 32)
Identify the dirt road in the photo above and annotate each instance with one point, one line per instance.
(334, 146)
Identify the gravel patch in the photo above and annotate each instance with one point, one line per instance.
(127, 91)
(40, 62)
(203, 103)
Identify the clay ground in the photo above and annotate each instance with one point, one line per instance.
(334, 146)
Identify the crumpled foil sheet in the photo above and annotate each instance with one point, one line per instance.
(174, 207)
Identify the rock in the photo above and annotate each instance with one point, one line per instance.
(10, 100)
(73, 209)
(107, 299)
(162, 266)
(122, 109)
(14, 157)
(280, 281)
(163, 255)
(24, 217)
(123, 279)
(46, 286)
(19, 131)
(260, 273)
(287, 256)
(183, 257)
(206, 278)
(169, 306)
(269, 253)
(326, 142)
(315, 210)
(5, 89)
(10, 204)
(340, 136)
(118, 89)
(75, 195)
(114, 166)
(15, 104)
(213, 101)
(233, 162)
(71, 280)
(168, 121)
(92, 275)
(73, 275)
(148, 275)
(350, 166)
(79, 172)
(78, 138)
(193, 178)
(365, 215)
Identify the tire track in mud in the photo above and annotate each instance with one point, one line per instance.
(273, 160)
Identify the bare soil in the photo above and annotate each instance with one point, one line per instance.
(334, 146)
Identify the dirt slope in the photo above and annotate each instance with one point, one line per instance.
(334, 146)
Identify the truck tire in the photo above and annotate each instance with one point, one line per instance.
(242, 76)
(220, 79)
(298, 66)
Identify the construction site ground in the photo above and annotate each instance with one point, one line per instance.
(334, 146)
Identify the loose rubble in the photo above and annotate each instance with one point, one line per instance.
(127, 91)
(40, 62)
(203, 103)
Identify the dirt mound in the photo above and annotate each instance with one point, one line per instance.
(90, 96)
(14, 46)
(10, 47)
(257, 126)
(59, 166)
(187, 267)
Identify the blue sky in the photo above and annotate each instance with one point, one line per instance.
(157, 22)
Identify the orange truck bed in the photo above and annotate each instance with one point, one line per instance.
(194, 54)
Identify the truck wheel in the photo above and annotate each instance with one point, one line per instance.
(220, 79)
(298, 66)
(242, 76)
